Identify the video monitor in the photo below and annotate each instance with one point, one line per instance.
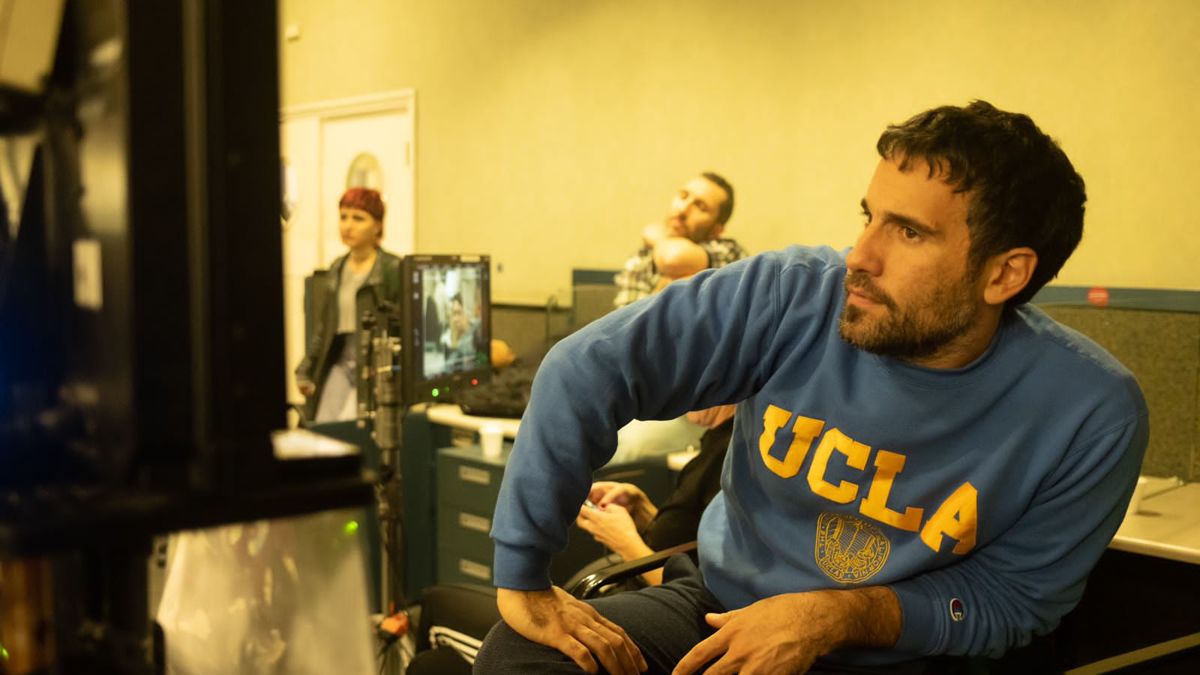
(448, 325)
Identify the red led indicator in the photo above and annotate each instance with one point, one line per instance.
(474, 382)
(1098, 296)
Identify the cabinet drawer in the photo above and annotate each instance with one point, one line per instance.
(464, 530)
(472, 485)
(455, 567)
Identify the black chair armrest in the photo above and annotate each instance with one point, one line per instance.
(589, 585)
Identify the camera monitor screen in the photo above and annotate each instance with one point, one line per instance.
(449, 324)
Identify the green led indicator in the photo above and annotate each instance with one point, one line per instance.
(435, 393)
(350, 527)
(3, 653)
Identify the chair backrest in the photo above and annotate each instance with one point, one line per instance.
(592, 295)
(590, 302)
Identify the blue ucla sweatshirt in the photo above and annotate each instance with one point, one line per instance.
(981, 495)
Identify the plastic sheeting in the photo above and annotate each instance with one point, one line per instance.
(277, 597)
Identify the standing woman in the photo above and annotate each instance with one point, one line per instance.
(355, 283)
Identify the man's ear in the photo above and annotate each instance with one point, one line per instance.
(1008, 273)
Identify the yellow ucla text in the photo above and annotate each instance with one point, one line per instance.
(956, 517)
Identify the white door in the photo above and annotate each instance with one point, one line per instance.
(328, 147)
(368, 151)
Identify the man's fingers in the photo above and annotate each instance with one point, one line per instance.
(623, 641)
(724, 666)
(603, 639)
(609, 648)
(629, 644)
(708, 649)
(577, 652)
(718, 620)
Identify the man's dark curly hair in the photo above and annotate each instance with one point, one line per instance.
(726, 208)
(1023, 190)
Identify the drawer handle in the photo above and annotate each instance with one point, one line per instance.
(474, 522)
(474, 569)
(473, 475)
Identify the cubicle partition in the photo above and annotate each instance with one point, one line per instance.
(1139, 605)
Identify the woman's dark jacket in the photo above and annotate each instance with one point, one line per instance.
(383, 284)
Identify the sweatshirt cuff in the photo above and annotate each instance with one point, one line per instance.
(920, 620)
(520, 568)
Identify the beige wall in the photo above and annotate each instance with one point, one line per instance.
(550, 131)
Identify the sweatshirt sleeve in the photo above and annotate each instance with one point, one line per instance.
(1026, 580)
(699, 343)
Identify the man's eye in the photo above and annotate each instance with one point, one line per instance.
(910, 233)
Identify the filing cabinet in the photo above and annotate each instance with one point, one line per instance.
(467, 486)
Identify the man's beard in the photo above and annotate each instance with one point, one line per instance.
(941, 317)
(701, 234)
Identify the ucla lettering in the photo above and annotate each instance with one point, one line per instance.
(804, 431)
(956, 517)
(856, 458)
(887, 465)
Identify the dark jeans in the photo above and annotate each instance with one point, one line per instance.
(664, 621)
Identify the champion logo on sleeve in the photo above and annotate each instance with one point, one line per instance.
(957, 610)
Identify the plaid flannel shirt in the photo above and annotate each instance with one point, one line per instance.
(640, 277)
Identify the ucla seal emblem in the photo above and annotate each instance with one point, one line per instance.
(849, 550)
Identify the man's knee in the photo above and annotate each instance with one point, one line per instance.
(488, 659)
(506, 651)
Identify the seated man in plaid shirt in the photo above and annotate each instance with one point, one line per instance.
(688, 241)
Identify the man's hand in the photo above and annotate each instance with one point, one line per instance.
(786, 633)
(555, 619)
(613, 527)
(675, 255)
(655, 233)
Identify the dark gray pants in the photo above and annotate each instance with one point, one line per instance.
(665, 622)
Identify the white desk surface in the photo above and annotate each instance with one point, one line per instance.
(1167, 526)
(452, 416)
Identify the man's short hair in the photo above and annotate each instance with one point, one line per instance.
(726, 208)
(1024, 191)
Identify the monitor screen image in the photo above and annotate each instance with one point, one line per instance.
(449, 325)
(453, 337)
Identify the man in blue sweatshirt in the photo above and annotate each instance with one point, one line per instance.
(921, 464)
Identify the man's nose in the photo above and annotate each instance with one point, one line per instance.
(866, 256)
